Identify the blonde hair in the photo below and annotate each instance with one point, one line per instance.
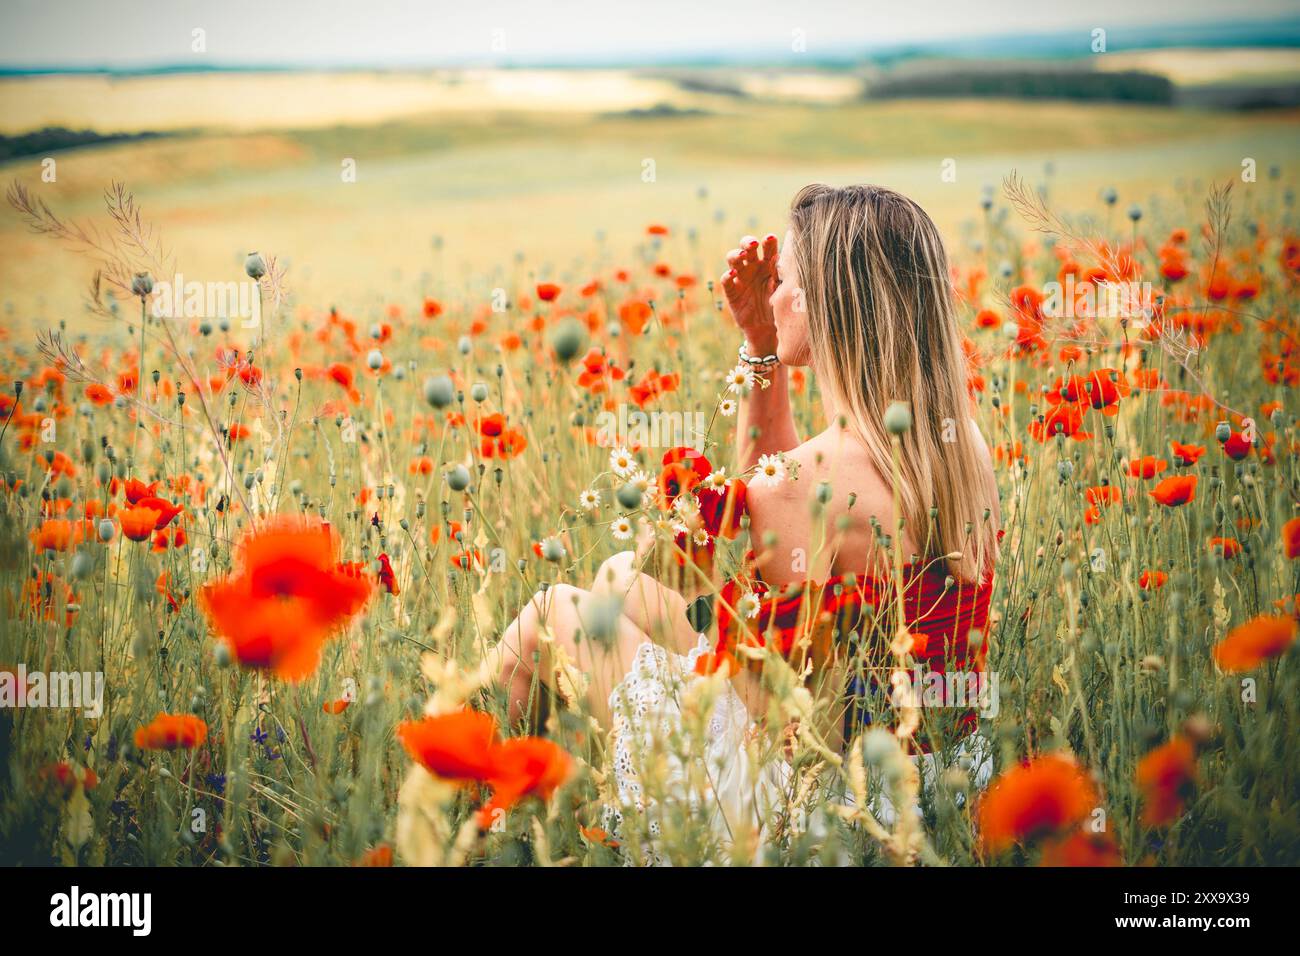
(882, 327)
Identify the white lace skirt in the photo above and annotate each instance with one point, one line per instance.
(690, 767)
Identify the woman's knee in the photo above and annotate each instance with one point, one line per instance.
(616, 573)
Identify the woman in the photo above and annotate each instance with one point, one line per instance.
(860, 292)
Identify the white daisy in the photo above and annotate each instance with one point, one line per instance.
(770, 473)
(621, 460)
(686, 506)
(701, 537)
(749, 605)
(717, 479)
(589, 499)
(740, 379)
(727, 407)
(622, 529)
(639, 479)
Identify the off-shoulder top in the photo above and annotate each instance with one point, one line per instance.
(854, 615)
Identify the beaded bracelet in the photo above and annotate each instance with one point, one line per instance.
(758, 364)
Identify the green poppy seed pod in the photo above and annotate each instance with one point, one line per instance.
(1065, 469)
(568, 339)
(141, 284)
(375, 360)
(628, 496)
(823, 491)
(439, 391)
(552, 550)
(465, 345)
(205, 328)
(105, 530)
(878, 747)
(18, 388)
(1135, 212)
(1222, 431)
(479, 392)
(458, 478)
(297, 373)
(255, 265)
(221, 654)
(898, 418)
(103, 472)
(1110, 196)
(82, 564)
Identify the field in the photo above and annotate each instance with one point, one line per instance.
(434, 344)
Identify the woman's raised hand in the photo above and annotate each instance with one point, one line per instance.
(748, 285)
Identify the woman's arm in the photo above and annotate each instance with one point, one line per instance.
(765, 413)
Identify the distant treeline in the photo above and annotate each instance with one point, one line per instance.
(52, 138)
(1133, 86)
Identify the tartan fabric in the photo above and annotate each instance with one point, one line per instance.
(839, 614)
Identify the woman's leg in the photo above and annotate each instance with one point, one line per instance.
(655, 609)
(599, 663)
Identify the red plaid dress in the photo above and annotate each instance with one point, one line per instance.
(854, 613)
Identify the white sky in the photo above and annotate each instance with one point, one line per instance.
(35, 33)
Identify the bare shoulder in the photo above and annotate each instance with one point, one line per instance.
(838, 474)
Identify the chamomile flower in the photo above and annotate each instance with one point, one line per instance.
(717, 479)
(727, 407)
(770, 473)
(622, 529)
(740, 379)
(589, 499)
(749, 605)
(701, 537)
(639, 479)
(622, 462)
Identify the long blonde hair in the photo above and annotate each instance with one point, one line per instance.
(882, 327)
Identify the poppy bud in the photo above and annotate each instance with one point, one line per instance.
(439, 391)
(569, 338)
(458, 478)
(898, 418)
(255, 266)
(142, 284)
(375, 360)
(628, 496)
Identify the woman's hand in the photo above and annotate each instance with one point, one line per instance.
(748, 285)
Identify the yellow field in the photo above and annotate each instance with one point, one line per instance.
(433, 159)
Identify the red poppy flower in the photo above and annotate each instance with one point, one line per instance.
(1147, 466)
(1044, 796)
(289, 596)
(1259, 639)
(172, 732)
(1166, 777)
(1187, 454)
(1175, 490)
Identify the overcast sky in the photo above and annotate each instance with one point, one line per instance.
(132, 33)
